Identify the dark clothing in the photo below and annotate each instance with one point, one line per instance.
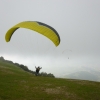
(37, 70)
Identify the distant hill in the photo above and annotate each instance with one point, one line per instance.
(85, 75)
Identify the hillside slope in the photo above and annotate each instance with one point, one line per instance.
(17, 84)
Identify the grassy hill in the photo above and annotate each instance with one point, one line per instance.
(17, 84)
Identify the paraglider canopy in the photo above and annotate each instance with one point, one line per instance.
(39, 27)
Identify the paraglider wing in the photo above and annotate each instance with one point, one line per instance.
(39, 27)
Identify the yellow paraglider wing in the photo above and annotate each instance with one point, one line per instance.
(39, 27)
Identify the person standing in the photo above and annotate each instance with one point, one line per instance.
(37, 70)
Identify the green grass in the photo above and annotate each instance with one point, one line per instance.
(16, 84)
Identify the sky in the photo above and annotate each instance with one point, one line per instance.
(76, 21)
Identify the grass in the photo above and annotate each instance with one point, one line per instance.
(16, 84)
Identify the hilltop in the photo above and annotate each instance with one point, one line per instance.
(25, 68)
(18, 84)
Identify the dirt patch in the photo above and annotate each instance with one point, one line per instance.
(53, 91)
(48, 84)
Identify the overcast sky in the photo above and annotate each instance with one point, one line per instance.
(76, 21)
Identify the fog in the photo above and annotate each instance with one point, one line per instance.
(77, 22)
